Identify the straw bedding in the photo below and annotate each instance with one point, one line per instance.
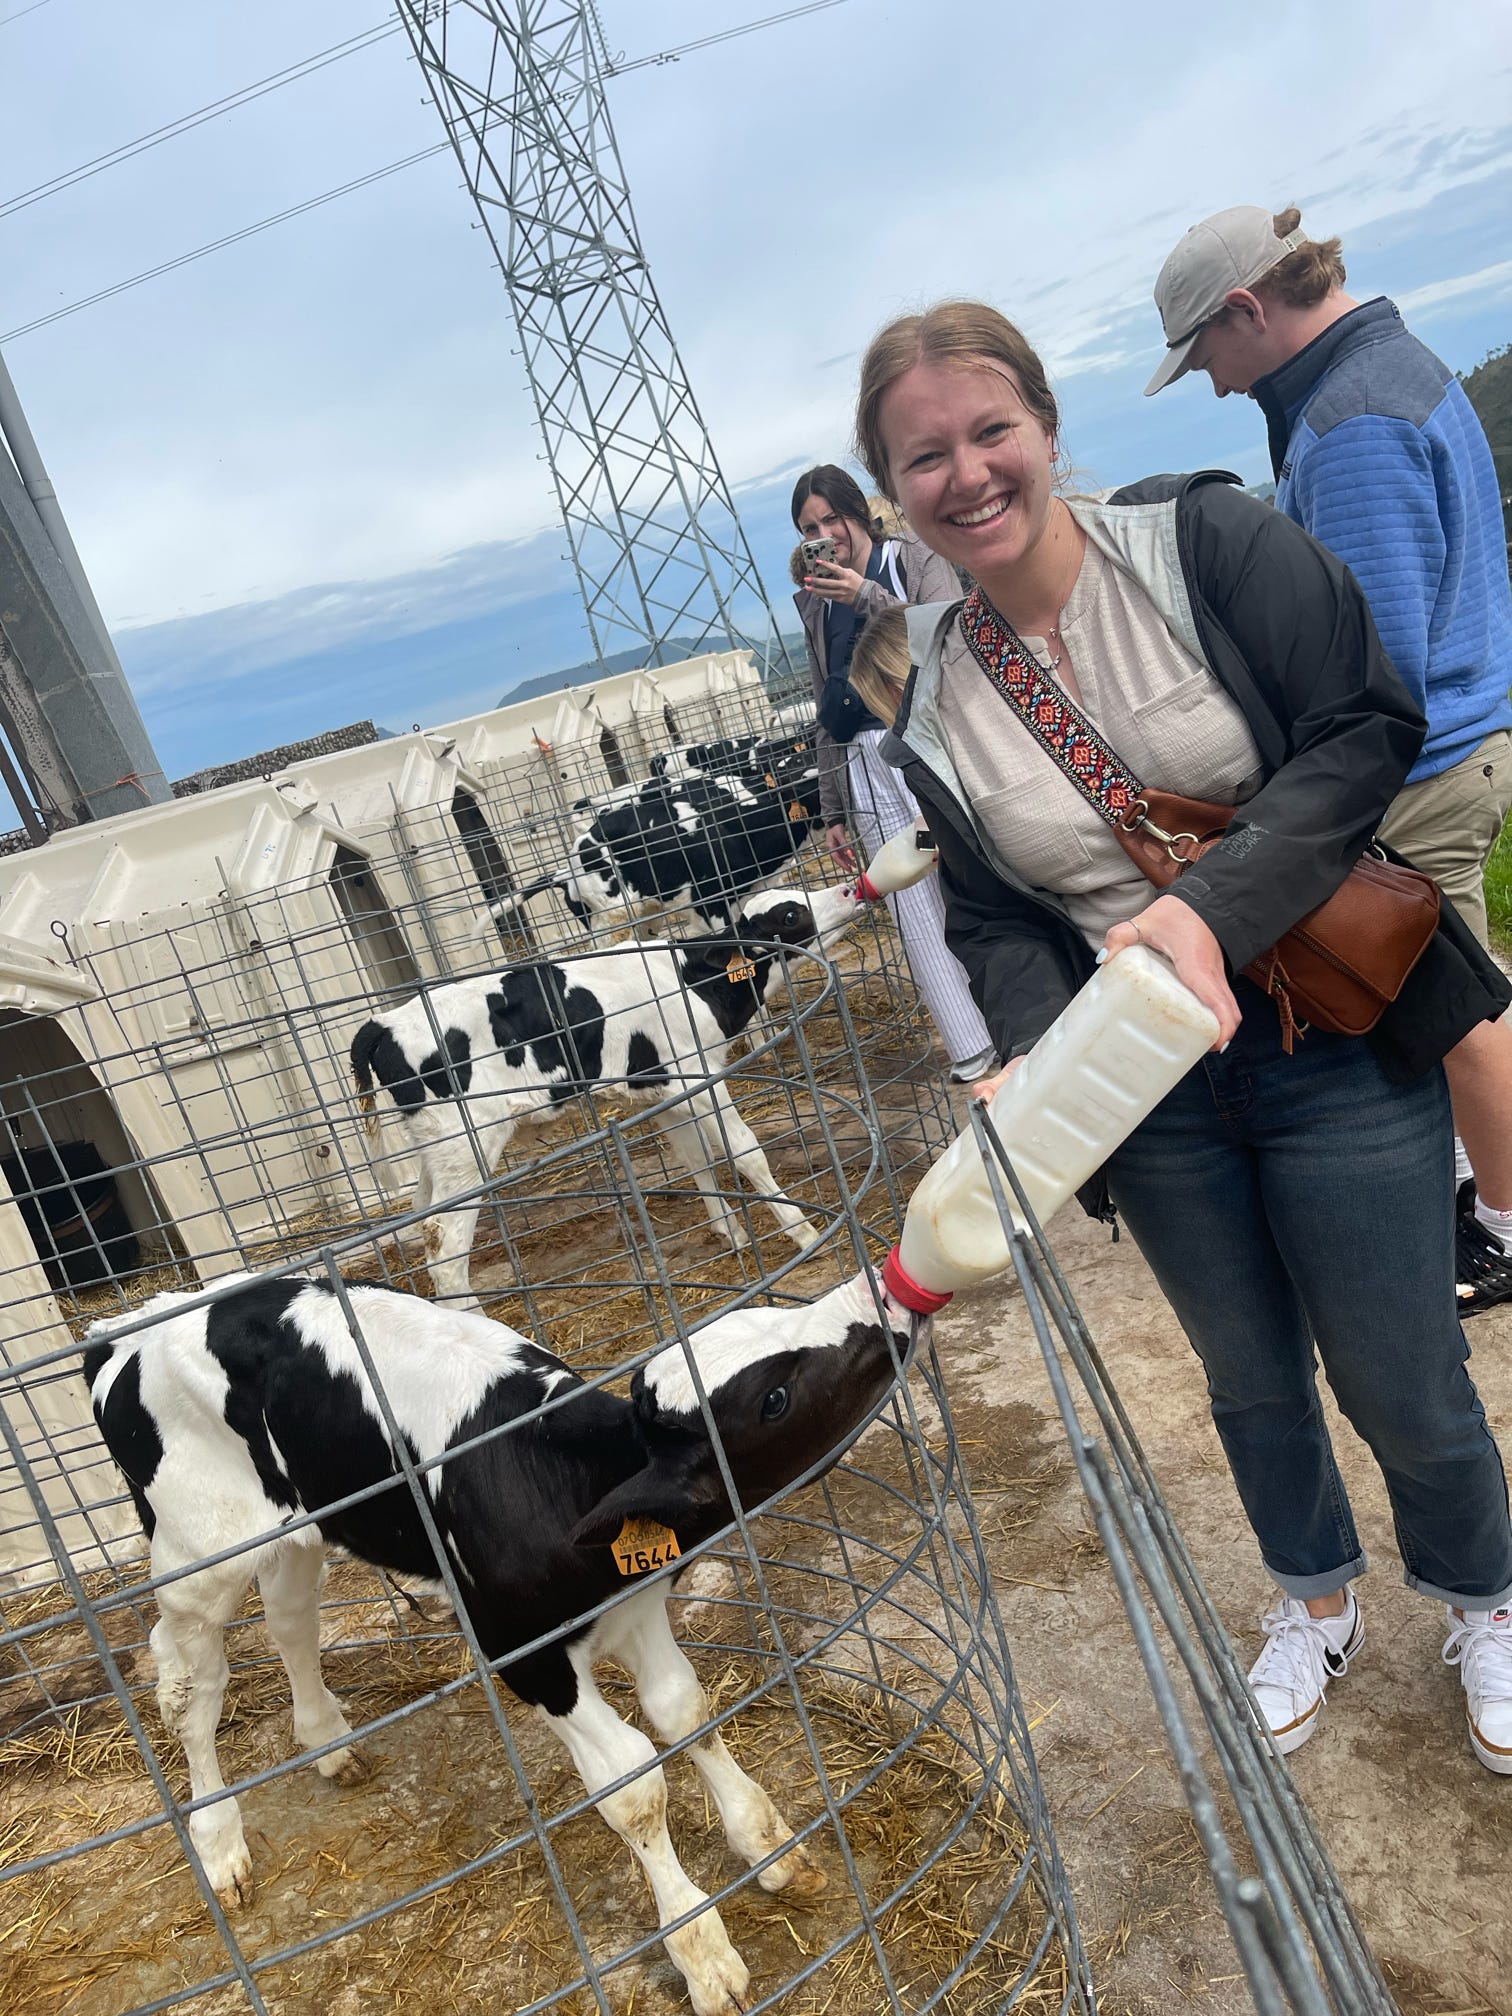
(121, 1925)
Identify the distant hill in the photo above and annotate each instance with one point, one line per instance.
(1489, 390)
(673, 650)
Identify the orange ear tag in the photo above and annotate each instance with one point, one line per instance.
(799, 747)
(771, 781)
(643, 1545)
(740, 967)
(796, 813)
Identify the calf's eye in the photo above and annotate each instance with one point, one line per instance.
(775, 1404)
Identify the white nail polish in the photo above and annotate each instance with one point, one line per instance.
(1223, 1046)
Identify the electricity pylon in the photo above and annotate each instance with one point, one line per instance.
(654, 534)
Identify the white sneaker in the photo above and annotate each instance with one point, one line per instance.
(1480, 1644)
(1302, 1654)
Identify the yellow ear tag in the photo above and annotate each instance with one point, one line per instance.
(643, 1545)
(796, 813)
(771, 781)
(740, 967)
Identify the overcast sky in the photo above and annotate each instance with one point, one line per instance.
(304, 472)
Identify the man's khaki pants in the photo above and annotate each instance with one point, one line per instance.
(1447, 825)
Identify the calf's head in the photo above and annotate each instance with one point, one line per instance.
(786, 1388)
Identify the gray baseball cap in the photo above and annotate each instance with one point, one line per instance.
(1233, 249)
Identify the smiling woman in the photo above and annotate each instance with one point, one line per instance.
(1287, 1191)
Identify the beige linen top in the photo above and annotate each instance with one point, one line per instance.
(1160, 708)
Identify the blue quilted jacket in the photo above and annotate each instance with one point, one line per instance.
(1379, 454)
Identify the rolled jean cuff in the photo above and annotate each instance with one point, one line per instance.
(1456, 1599)
(1326, 1584)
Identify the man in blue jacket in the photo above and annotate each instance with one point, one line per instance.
(1378, 453)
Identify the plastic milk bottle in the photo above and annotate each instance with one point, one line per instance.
(907, 858)
(1116, 1050)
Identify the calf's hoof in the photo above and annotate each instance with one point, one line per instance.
(228, 1864)
(718, 1979)
(798, 1876)
(344, 1767)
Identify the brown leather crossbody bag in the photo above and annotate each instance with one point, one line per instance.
(1338, 968)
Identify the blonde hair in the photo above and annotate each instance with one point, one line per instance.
(880, 663)
(952, 332)
(887, 519)
(1304, 277)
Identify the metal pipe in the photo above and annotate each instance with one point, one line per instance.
(33, 473)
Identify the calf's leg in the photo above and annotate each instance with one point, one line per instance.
(673, 1697)
(290, 1586)
(605, 1749)
(454, 1164)
(726, 1135)
(189, 1647)
(685, 1137)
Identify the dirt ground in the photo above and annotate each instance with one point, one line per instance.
(1420, 1832)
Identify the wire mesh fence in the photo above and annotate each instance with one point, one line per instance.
(1294, 1930)
(848, 1649)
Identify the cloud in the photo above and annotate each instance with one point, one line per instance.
(1489, 280)
(324, 437)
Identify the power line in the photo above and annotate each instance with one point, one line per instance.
(616, 68)
(306, 67)
(6, 19)
(219, 244)
(367, 37)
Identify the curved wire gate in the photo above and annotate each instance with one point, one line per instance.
(848, 1632)
(1292, 1924)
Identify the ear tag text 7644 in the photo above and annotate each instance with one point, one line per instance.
(740, 967)
(642, 1545)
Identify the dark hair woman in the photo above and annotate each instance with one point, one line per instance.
(871, 573)
(1284, 1200)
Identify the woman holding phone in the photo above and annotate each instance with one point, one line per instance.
(852, 573)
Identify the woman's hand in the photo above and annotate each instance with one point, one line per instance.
(835, 583)
(988, 1088)
(841, 852)
(1174, 928)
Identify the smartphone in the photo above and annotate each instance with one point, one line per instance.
(817, 552)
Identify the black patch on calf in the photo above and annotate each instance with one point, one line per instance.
(376, 1051)
(449, 1080)
(561, 1026)
(643, 1062)
(237, 1337)
(129, 1431)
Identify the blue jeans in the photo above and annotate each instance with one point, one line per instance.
(1281, 1200)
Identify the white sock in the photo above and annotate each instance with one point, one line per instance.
(1462, 1169)
(1497, 1223)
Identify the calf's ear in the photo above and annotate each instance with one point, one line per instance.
(678, 1495)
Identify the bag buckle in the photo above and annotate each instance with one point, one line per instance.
(1137, 818)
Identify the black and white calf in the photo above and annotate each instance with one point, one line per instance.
(698, 841)
(231, 1418)
(514, 1045)
(752, 758)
